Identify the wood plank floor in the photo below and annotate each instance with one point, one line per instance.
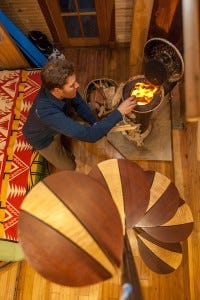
(21, 282)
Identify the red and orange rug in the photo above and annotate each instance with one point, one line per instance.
(21, 166)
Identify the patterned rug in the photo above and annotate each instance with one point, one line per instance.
(20, 166)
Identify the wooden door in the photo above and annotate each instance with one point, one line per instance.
(81, 22)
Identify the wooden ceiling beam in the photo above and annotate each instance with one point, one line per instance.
(141, 18)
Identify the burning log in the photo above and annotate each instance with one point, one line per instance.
(149, 96)
(143, 92)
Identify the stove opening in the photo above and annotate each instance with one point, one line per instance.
(143, 92)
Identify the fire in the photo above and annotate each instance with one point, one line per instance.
(143, 92)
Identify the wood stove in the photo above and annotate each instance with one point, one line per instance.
(163, 67)
(148, 97)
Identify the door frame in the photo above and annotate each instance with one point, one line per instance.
(51, 12)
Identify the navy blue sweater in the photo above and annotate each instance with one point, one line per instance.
(49, 116)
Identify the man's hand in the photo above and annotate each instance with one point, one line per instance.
(127, 105)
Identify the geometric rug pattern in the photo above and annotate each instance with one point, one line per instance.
(21, 167)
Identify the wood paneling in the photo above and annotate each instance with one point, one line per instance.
(10, 55)
(191, 33)
(184, 171)
(123, 20)
(27, 15)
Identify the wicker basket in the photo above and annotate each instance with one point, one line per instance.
(91, 87)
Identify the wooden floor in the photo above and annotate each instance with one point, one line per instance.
(19, 281)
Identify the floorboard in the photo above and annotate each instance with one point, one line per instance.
(20, 282)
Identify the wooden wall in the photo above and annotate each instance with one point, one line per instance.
(123, 20)
(26, 15)
(10, 55)
(165, 20)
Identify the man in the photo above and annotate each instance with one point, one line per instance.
(49, 116)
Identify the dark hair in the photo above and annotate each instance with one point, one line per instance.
(55, 73)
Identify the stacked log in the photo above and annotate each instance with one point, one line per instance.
(103, 95)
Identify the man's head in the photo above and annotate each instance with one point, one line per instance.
(59, 78)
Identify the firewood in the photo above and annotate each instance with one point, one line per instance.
(125, 127)
(96, 97)
(101, 111)
(99, 88)
(109, 93)
(101, 97)
(118, 95)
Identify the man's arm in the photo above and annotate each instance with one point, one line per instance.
(83, 109)
(58, 121)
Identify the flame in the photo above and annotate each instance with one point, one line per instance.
(144, 92)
